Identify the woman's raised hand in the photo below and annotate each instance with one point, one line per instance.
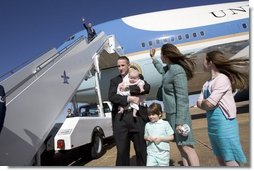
(152, 53)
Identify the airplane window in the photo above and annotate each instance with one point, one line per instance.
(172, 39)
(187, 36)
(180, 37)
(150, 43)
(202, 33)
(70, 38)
(165, 40)
(194, 34)
(157, 41)
(244, 25)
(143, 44)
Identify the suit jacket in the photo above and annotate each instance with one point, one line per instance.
(119, 100)
(174, 90)
(90, 31)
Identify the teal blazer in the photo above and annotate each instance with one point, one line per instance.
(174, 90)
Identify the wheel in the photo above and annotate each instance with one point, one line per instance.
(97, 149)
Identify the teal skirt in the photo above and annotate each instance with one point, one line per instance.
(224, 136)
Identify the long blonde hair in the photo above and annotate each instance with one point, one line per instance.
(171, 52)
(232, 68)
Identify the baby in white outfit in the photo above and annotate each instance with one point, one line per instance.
(132, 78)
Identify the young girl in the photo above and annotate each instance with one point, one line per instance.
(158, 133)
(217, 99)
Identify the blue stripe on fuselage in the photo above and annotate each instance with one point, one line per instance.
(131, 38)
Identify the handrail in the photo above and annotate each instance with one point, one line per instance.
(15, 69)
(43, 65)
(52, 58)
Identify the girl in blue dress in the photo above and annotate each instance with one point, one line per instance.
(217, 99)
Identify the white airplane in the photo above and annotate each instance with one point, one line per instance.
(194, 30)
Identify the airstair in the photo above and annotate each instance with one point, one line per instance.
(37, 94)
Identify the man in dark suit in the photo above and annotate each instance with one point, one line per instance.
(91, 33)
(2, 107)
(69, 113)
(127, 128)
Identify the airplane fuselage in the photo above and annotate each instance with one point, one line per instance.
(194, 30)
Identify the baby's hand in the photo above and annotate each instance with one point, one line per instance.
(126, 87)
(121, 88)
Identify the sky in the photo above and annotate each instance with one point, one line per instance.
(29, 28)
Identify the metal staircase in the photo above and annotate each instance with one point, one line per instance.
(37, 94)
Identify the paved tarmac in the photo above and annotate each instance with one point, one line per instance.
(203, 147)
(79, 157)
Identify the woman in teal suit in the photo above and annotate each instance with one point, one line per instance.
(175, 74)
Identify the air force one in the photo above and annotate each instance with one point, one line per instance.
(77, 70)
(194, 30)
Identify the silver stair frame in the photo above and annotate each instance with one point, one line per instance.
(38, 98)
